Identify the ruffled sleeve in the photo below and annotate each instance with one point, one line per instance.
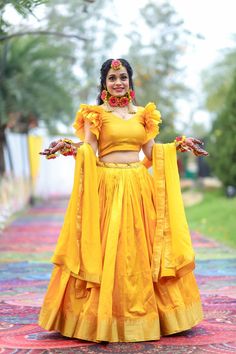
(92, 114)
(152, 119)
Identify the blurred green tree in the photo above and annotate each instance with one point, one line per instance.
(156, 49)
(23, 7)
(222, 145)
(86, 17)
(219, 82)
(36, 83)
(36, 78)
(218, 79)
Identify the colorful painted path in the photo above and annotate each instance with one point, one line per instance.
(26, 246)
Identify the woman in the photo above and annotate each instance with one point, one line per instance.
(124, 261)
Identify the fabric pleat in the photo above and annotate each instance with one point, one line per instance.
(127, 305)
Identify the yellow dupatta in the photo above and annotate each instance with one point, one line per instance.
(79, 246)
(173, 255)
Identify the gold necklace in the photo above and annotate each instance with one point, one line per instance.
(118, 111)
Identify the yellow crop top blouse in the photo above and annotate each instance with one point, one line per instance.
(114, 133)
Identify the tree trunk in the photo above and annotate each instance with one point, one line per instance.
(2, 144)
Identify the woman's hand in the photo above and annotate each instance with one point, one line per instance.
(64, 146)
(193, 145)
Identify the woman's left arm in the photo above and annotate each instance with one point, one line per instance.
(147, 149)
(182, 144)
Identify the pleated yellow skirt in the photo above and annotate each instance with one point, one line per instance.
(127, 306)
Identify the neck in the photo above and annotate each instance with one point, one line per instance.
(130, 108)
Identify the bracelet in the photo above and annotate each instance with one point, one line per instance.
(179, 140)
(51, 156)
(68, 151)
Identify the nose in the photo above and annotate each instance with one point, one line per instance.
(118, 82)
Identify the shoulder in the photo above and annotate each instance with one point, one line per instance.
(86, 109)
(91, 114)
(150, 111)
(151, 120)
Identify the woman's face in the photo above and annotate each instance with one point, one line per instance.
(117, 82)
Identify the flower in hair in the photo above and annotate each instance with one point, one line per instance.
(113, 101)
(116, 64)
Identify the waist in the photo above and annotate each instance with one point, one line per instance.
(120, 157)
(114, 150)
(119, 165)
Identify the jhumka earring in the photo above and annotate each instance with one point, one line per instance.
(131, 95)
(104, 95)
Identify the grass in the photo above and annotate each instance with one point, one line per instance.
(215, 217)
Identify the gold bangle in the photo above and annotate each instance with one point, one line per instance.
(51, 156)
(179, 140)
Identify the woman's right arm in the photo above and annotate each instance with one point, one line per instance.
(68, 147)
(89, 137)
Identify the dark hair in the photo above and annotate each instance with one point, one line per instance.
(106, 66)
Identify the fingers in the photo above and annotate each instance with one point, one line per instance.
(53, 143)
(60, 145)
(192, 144)
(197, 141)
(199, 151)
(53, 147)
(45, 152)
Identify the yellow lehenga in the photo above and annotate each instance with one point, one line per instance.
(124, 261)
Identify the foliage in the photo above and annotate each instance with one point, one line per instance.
(23, 7)
(155, 53)
(217, 80)
(43, 68)
(160, 45)
(36, 79)
(222, 145)
(209, 217)
(78, 17)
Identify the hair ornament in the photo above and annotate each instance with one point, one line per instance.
(116, 64)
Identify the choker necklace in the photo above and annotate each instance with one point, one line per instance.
(115, 101)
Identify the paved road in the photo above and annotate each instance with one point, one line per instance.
(26, 246)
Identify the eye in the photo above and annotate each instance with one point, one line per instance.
(111, 78)
(124, 77)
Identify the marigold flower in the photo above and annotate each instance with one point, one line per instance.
(113, 101)
(51, 156)
(132, 94)
(104, 95)
(123, 101)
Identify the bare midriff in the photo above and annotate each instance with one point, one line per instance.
(121, 157)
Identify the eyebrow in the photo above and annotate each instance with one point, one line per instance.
(110, 75)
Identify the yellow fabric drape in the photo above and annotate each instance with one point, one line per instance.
(173, 255)
(139, 221)
(35, 145)
(79, 246)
